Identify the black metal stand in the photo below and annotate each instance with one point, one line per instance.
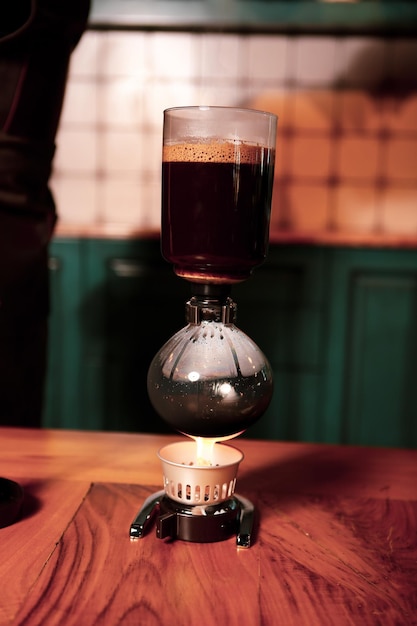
(198, 523)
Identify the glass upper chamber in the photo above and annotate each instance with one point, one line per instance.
(210, 380)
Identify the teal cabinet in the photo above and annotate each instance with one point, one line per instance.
(281, 309)
(370, 393)
(63, 393)
(133, 303)
(339, 327)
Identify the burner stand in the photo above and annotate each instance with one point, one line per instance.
(196, 523)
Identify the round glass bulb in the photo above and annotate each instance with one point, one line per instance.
(210, 380)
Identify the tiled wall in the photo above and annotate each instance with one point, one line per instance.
(347, 139)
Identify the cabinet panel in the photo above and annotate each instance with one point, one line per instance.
(371, 366)
(63, 394)
(293, 412)
(281, 308)
(135, 303)
(381, 358)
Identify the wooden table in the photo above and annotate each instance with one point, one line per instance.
(336, 544)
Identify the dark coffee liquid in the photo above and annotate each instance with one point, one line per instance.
(195, 410)
(215, 215)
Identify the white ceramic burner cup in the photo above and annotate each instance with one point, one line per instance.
(192, 484)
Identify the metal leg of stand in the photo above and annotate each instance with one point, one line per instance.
(246, 521)
(144, 517)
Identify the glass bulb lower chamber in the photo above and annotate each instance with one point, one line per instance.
(210, 380)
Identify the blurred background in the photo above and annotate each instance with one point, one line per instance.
(335, 305)
(347, 132)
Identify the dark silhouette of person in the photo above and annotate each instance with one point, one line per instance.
(37, 38)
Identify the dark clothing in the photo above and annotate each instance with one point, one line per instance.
(36, 41)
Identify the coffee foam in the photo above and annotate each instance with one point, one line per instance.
(215, 152)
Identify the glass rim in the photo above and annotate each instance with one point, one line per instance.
(237, 109)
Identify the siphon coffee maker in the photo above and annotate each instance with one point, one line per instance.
(210, 381)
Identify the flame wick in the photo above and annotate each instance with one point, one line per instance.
(205, 448)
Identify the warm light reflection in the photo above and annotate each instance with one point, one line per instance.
(225, 389)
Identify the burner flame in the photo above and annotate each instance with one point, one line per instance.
(205, 449)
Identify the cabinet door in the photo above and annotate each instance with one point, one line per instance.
(63, 394)
(132, 305)
(371, 395)
(281, 309)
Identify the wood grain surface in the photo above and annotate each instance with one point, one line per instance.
(315, 560)
(27, 545)
(336, 540)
